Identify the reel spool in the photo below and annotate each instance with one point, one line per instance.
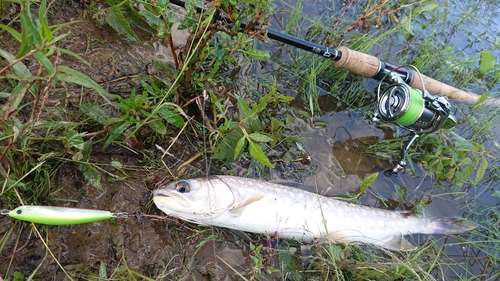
(412, 109)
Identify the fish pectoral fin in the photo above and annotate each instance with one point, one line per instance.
(397, 242)
(240, 207)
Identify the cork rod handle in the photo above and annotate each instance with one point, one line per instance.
(369, 66)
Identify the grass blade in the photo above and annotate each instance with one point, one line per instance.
(69, 75)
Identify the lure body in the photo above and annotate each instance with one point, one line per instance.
(58, 215)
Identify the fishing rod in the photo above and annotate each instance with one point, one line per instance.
(364, 64)
(407, 101)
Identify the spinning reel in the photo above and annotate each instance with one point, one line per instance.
(412, 109)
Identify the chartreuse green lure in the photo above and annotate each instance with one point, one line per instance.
(58, 215)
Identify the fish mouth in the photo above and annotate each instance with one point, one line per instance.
(160, 193)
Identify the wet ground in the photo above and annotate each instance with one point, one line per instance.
(160, 247)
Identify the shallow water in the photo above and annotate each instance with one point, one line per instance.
(337, 149)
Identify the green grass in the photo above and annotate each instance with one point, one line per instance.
(209, 112)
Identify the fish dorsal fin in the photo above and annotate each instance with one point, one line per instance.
(398, 243)
(241, 207)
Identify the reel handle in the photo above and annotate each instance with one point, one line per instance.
(370, 66)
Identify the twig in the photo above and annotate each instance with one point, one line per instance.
(345, 11)
(165, 151)
(49, 84)
(37, 97)
(172, 49)
(17, 250)
(30, 53)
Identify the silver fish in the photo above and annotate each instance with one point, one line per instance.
(263, 207)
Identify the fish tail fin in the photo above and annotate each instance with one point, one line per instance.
(452, 225)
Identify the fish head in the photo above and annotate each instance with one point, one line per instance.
(194, 199)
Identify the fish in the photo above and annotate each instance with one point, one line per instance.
(258, 206)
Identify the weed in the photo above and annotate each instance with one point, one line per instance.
(233, 137)
(35, 147)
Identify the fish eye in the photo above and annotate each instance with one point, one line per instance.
(183, 187)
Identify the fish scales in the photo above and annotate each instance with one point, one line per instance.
(263, 207)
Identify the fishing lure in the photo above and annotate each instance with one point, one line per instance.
(58, 215)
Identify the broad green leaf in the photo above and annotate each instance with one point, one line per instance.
(284, 99)
(486, 62)
(216, 101)
(18, 68)
(258, 154)
(421, 9)
(276, 124)
(259, 137)
(158, 126)
(15, 99)
(116, 132)
(451, 174)
(87, 151)
(26, 34)
(91, 174)
(69, 75)
(481, 170)
(259, 107)
(454, 157)
(367, 182)
(227, 125)
(461, 143)
(75, 139)
(151, 18)
(56, 27)
(288, 263)
(257, 54)
(12, 31)
(239, 147)
(95, 112)
(43, 60)
(171, 115)
(42, 19)
(243, 109)
(463, 176)
(219, 50)
(465, 161)
(406, 23)
(224, 150)
(112, 121)
(30, 35)
(136, 19)
(118, 22)
(59, 37)
(439, 170)
(102, 271)
(75, 55)
(116, 164)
